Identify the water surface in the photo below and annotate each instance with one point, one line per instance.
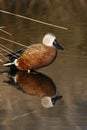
(19, 110)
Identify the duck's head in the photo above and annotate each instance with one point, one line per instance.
(49, 102)
(50, 40)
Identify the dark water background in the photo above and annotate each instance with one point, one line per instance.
(22, 111)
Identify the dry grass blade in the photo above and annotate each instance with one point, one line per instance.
(13, 53)
(4, 50)
(7, 48)
(33, 50)
(34, 20)
(3, 57)
(5, 32)
(2, 27)
(7, 52)
(13, 42)
(1, 61)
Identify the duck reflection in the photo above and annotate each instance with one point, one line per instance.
(36, 84)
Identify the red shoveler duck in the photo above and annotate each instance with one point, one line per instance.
(37, 55)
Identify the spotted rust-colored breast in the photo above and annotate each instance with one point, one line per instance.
(36, 56)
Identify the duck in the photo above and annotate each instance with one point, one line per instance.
(37, 55)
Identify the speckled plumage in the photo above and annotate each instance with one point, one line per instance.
(36, 56)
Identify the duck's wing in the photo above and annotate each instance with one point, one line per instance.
(12, 56)
(16, 54)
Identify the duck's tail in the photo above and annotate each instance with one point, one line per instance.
(8, 64)
(13, 57)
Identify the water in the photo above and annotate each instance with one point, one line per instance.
(22, 110)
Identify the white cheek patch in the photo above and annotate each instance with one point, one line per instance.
(46, 102)
(49, 39)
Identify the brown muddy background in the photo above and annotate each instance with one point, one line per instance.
(22, 111)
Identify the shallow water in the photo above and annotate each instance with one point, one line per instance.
(22, 110)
